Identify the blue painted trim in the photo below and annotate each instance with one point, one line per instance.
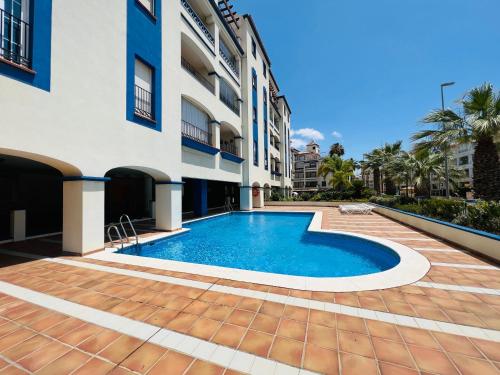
(455, 226)
(144, 42)
(40, 48)
(200, 198)
(188, 142)
(231, 157)
(86, 178)
(169, 183)
(255, 127)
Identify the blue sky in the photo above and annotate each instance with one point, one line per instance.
(367, 71)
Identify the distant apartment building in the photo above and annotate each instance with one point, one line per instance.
(155, 109)
(305, 176)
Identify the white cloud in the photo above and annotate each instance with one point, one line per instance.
(298, 143)
(308, 133)
(336, 134)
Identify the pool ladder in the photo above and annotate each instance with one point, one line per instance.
(124, 219)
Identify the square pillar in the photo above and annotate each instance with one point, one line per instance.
(200, 198)
(245, 198)
(168, 206)
(18, 225)
(83, 215)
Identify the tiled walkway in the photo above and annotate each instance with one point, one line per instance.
(273, 328)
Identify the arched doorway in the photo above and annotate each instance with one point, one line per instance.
(267, 192)
(130, 192)
(31, 198)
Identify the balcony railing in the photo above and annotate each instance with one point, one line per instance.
(195, 133)
(143, 102)
(198, 22)
(14, 39)
(229, 147)
(231, 62)
(197, 75)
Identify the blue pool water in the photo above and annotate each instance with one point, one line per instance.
(271, 242)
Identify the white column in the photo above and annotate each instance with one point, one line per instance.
(245, 198)
(83, 216)
(168, 206)
(215, 134)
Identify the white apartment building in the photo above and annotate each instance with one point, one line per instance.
(148, 108)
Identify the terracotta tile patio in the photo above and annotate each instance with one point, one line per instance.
(311, 339)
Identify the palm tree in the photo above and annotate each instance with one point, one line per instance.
(387, 154)
(372, 163)
(341, 171)
(480, 123)
(336, 149)
(403, 168)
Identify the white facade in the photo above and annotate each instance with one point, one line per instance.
(79, 123)
(305, 169)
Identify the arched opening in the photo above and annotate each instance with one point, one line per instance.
(195, 62)
(230, 140)
(129, 191)
(31, 198)
(197, 122)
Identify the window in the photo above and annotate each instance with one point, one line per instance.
(255, 155)
(264, 68)
(15, 31)
(254, 81)
(467, 172)
(254, 48)
(463, 160)
(143, 89)
(149, 5)
(254, 115)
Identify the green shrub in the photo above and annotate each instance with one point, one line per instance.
(442, 209)
(483, 216)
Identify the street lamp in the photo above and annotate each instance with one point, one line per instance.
(446, 172)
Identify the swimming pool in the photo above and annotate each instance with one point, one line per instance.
(276, 243)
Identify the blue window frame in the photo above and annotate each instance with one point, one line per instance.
(144, 44)
(25, 41)
(255, 119)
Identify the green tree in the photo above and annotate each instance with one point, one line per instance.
(479, 123)
(340, 171)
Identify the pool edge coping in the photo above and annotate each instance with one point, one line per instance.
(411, 268)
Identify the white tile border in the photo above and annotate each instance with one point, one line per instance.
(469, 266)
(412, 266)
(168, 339)
(404, 320)
(458, 288)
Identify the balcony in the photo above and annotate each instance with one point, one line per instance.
(197, 75)
(229, 147)
(228, 57)
(198, 21)
(14, 40)
(143, 103)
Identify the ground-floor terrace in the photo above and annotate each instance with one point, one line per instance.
(38, 199)
(81, 315)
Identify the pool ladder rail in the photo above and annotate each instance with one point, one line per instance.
(124, 219)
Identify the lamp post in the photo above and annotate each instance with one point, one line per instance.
(446, 171)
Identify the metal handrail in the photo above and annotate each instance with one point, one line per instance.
(131, 226)
(143, 102)
(111, 226)
(193, 132)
